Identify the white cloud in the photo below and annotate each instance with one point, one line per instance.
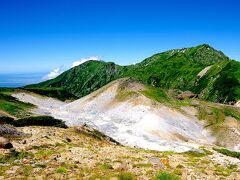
(54, 73)
(83, 60)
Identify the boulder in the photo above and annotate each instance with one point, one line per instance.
(185, 95)
(156, 162)
(237, 104)
(5, 143)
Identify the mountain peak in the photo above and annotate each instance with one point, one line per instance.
(205, 46)
(206, 54)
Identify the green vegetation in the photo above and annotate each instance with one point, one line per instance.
(225, 171)
(174, 69)
(232, 112)
(41, 165)
(35, 121)
(59, 93)
(106, 166)
(7, 91)
(61, 170)
(83, 79)
(14, 156)
(179, 166)
(193, 154)
(216, 114)
(228, 152)
(27, 170)
(221, 83)
(126, 176)
(157, 94)
(7, 120)
(12, 106)
(123, 95)
(176, 72)
(166, 176)
(177, 171)
(44, 153)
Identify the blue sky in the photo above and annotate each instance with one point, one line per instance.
(39, 36)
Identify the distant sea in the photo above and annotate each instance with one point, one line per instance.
(20, 79)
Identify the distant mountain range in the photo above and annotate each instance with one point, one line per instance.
(202, 70)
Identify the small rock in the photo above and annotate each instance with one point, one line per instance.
(9, 172)
(46, 137)
(117, 165)
(186, 94)
(237, 104)
(25, 161)
(195, 103)
(5, 143)
(157, 162)
(120, 167)
(68, 139)
(197, 151)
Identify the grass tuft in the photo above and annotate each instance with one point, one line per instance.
(61, 170)
(166, 176)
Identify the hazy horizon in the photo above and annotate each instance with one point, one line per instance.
(13, 80)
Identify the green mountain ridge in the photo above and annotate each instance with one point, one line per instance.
(174, 69)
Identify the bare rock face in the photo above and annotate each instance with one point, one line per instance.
(5, 143)
(6, 130)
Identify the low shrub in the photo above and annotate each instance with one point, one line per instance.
(228, 152)
(232, 112)
(61, 170)
(5, 119)
(106, 166)
(166, 176)
(126, 176)
(36, 121)
(58, 93)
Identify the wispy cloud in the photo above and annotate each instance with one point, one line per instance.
(57, 71)
(83, 60)
(54, 73)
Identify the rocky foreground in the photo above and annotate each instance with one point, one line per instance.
(77, 153)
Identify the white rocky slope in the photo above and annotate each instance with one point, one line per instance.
(136, 121)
